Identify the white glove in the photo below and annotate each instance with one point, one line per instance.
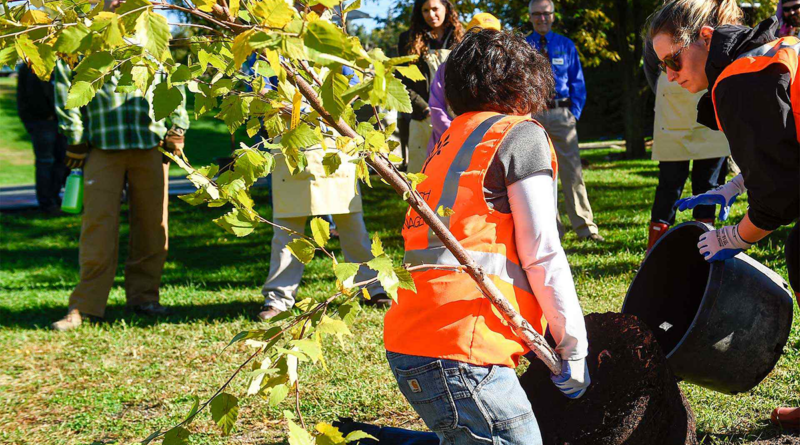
(721, 244)
(723, 195)
(574, 378)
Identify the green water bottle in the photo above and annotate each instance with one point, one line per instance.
(73, 192)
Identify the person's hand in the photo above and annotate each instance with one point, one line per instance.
(721, 244)
(574, 378)
(76, 155)
(723, 195)
(174, 141)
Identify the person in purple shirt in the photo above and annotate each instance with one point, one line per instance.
(441, 116)
(563, 113)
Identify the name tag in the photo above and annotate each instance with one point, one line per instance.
(558, 61)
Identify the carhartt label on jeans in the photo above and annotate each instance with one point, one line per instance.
(414, 385)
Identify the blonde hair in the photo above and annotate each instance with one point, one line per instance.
(683, 19)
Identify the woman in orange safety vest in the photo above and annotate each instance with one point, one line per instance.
(754, 98)
(451, 351)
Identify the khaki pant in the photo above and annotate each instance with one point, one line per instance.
(560, 125)
(104, 178)
(286, 271)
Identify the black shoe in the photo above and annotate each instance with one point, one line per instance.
(378, 300)
(152, 310)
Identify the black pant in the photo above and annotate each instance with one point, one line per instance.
(706, 175)
(49, 147)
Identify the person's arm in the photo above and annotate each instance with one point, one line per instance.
(545, 263)
(70, 121)
(440, 118)
(576, 83)
(755, 112)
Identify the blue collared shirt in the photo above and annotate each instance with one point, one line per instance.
(567, 69)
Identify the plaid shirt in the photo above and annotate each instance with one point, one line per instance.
(113, 121)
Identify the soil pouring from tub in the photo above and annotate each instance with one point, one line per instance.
(634, 398)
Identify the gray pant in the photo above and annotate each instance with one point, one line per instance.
(286, 271)
(560, 125)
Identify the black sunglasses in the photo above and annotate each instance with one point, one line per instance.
(672, 62)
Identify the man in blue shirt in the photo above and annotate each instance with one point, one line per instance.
(563, 114)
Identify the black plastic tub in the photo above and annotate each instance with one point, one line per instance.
(722, 325)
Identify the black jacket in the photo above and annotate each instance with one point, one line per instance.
(35, 97)
(420, 90)
(756, 114)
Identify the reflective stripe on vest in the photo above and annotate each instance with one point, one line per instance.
(459, 166)
(783, 51)
(492, 263)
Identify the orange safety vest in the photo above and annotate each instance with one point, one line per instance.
(784, 51)
(448, 317)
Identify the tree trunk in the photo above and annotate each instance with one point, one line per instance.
(628, 25)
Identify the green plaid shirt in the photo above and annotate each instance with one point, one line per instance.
(113, 121)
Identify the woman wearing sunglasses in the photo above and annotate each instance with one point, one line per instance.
(749, 74)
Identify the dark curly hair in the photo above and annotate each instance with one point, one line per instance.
(497, 71)
(420, 32)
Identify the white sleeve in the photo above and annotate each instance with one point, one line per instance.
(541, 255)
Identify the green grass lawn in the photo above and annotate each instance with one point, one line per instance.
(118, 380)
(208, 138)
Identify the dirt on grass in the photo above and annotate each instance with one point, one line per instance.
(634, 398)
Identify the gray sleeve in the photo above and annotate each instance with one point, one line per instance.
(524, 151)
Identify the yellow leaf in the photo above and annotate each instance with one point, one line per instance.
(241, 47)
(233, 7)
(297, 102)
(273, 13)
(275, 63)
(34, 17)
(205, 5)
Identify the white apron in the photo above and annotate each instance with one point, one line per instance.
(676, 134)
(419, 132)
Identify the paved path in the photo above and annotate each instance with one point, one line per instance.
(22, 197)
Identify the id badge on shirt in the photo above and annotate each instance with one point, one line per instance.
(558, 61)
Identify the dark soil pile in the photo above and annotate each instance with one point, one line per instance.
(633, 399)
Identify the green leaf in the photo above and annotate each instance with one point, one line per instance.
(204, 104)
(94, 67)
(309, 347)
(331, 163)
(252, 164)
(253, 126)
(182, 74)
(411, 72)
(299, 436)
(396, 96)
(151, 437)
(415, 179)
(352, 6)
(277, 394)
(345, 272)
(112, 36)
(8, 57)
(165, 100)
(273, 13)
(176, 436)
(224, 411)
(236, 223)
(301, 137)
(377, 246)
(152, 32)
(332, 91)
(42, 57)
(358, 435)
(445, 211)
(69, 40)
(327, 44)
(348, 311)
(130, 18)
(302, 249)
(222, 87)
(80, 94)
(386, 274)
(406, 280)
(295, 159)
(193, 410)
(321, 230)
(233, 110)
(332, 326)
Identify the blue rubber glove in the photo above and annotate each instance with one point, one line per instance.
(724, 196)
(574, 378)
(721, 244)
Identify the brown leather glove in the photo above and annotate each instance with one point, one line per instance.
(76, 155)
(174, 141)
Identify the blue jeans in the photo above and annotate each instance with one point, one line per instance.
(706, 175)
(466, 404)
